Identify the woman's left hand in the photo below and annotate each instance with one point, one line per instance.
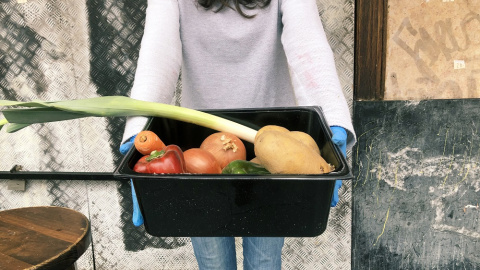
(339, 138)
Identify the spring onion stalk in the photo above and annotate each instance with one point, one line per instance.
(113, 106)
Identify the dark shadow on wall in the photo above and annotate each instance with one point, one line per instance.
(20, 67)
(18, 54)
(116, 29)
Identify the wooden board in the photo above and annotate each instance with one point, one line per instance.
(433, 49)
(417, 188)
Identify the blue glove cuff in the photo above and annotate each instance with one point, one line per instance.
(339, 138)
(124, 148)
(335, 198)
(137, 217)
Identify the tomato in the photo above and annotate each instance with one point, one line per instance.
(225, 147)
(198, 160)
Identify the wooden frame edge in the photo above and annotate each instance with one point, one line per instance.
(370, 49)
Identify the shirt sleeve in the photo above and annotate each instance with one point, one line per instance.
(312, 64)
(159, 61)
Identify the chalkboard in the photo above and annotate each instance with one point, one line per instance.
(416, 191)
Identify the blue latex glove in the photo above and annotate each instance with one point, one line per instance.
(124, 148)
(137, 217)
(339, 138)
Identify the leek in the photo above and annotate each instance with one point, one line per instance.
(112, 106)
(3, 122)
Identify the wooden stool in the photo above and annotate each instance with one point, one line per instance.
(45, 237)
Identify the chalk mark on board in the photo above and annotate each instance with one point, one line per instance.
(463, 179)
(470, 206)
(452, 159)
(461, 231)
(384, 225)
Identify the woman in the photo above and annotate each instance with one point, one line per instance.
(239, 54)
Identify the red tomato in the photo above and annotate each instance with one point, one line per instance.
(198, 160)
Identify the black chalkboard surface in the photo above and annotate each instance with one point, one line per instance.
(416, 191)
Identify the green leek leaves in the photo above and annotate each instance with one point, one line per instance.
(111, 106)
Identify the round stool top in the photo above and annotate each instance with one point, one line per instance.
(45, 237)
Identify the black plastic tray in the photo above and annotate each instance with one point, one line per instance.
(238, 205)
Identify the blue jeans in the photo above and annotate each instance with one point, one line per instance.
(218, 253)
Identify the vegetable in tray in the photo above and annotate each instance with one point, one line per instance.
(244, 167)
(168, 160)
(277, 149)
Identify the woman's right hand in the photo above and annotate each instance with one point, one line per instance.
(125, 147)
(137, 217)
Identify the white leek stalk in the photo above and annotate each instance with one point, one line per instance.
(113, 106)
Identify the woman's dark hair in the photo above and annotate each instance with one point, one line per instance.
(237, 5)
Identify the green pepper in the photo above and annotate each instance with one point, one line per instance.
(244, 167)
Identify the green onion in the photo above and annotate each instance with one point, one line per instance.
(112, 106)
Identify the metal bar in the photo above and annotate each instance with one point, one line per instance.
(29, 175)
